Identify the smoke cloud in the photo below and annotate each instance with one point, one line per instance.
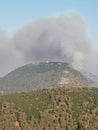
(55, 39)
(9, 59)
(92, 63)
(62, 38)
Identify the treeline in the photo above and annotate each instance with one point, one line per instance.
(50, 109)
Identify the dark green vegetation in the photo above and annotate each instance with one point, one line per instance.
(42, 75)
(61, 108)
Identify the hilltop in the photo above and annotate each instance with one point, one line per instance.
(41, 75)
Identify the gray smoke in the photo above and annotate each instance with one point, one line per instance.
(62, 38)
(9, 59)
(92, 63)
(54, 39)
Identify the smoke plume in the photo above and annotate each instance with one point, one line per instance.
(9, 59)
(63, 38)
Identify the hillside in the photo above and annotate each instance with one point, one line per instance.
(44, 74)
(61, 108)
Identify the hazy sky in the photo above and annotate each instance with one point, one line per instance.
(14, 14)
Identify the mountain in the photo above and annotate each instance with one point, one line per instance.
(61, 108)
(91, 76)
(42, 74)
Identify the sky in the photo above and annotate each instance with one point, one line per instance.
(37, 30)
(14, 14)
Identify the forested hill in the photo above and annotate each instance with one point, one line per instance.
(44, 74)
(61, 108)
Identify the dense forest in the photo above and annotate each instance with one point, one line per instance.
(61, 108)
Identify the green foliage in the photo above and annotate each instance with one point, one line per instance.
(62, 108)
